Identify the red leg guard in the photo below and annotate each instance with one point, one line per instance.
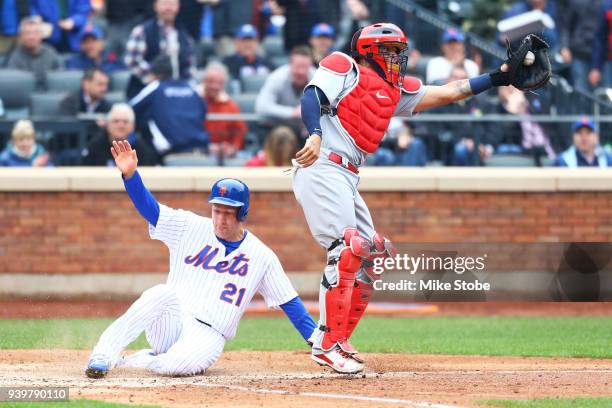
(362, 293)
(338, 298)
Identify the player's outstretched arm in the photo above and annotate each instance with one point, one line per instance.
(299, 317)
(127, 161)
(526, 68)
(457, 90)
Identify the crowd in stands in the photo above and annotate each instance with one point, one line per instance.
(154, 71)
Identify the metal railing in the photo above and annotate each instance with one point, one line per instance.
(491, 48)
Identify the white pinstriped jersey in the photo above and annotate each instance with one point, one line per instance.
(213, 287)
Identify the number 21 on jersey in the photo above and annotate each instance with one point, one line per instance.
(230, 291)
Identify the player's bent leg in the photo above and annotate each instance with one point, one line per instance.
(198, 348)
(345, 256)
(165, 331)
(338, 296)
(142, 314)
(381, 247)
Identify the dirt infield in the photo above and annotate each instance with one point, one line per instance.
(290, 379)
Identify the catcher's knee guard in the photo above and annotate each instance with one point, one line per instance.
(381, 248)
(338, 296)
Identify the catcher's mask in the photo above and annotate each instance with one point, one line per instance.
(385, 47)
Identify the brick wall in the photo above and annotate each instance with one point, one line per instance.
(77, 232)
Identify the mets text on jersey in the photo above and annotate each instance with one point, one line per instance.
(238, 266)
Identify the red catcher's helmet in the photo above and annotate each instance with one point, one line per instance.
(368, 43)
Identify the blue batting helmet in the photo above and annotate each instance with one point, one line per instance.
(231, 192)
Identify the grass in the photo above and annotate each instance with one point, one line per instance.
(518, 336)
(80, 403)
(552, 403)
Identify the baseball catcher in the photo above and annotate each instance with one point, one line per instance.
(347, 108)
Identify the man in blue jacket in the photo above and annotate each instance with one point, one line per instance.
(67, 18)
(169, 112)
(601, 71)
(586, 151)
(92, 54)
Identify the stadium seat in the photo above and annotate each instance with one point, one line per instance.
(204, 51)
(65, 57)
(246, 102)
(253, 83)
(509, 160)
(116, 97)
(273, 46)
(235, 161)
(189, 159)
(119, 81)
(279, 60)
(421, 67)
(46, 104)
(15, 89)
(64, 81)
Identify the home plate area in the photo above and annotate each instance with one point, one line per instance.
(257, 378)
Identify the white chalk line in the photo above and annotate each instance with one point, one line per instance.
(319, 395)
(211, 378)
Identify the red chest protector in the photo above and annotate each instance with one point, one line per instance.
(366, 110)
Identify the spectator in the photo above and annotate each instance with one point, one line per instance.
(300, 16)
(158, 36)
(120, 125)
(246, 62)
(279, 98)
(92, 54)
(321, 41)
(32, 55)
(453, 54)
(577, 32)
(401, 147)
(602, 49)
(12, 13)
(280, 147)
(462, 145)
(67, 17)
(91, 98)
(353, 14)
(169, 112)
(525, 6)
(22, 150)
(190, 15)
(122, 16)
(533, 136)
(227, 136)
(586, 151)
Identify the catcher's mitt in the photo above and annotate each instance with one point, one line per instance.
(525, 77)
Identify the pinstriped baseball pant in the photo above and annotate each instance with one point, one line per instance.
(181, 345)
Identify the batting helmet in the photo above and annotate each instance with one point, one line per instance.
(231, 192)
(371, 43)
